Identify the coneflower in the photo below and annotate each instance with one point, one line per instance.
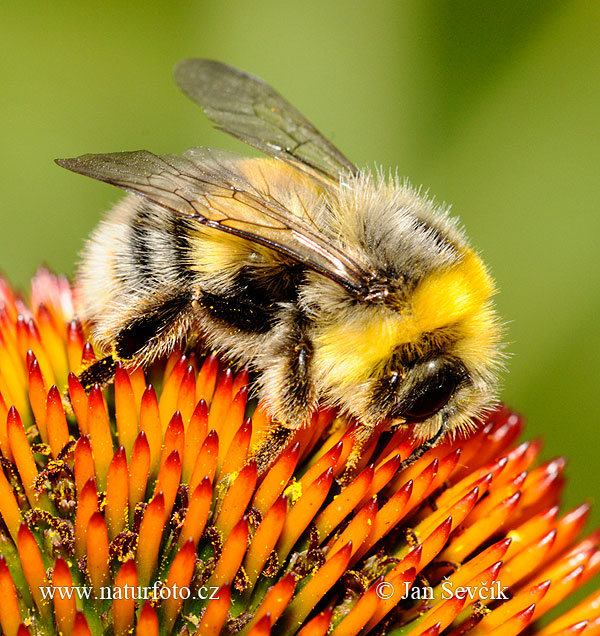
(141, 511)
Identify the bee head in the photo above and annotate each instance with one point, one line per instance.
(421, 391)
(446, 367)
(419, 357)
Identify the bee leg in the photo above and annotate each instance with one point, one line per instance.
(361, 438)
(100, 372)
(288, 378)
(432, 442)
(272, 446)
(293, 362)
(162, 321)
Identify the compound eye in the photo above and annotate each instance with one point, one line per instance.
(431, 397)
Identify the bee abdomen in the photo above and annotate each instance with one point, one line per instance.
(159, 246)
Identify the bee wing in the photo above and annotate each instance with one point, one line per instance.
(204, 185)
(249, 109)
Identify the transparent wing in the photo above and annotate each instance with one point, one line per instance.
(204, 185)
(249, 109)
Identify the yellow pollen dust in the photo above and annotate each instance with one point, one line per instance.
(293, 492)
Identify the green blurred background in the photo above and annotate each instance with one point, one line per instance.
(493, 106)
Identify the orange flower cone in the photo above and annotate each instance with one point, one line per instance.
(139, 509)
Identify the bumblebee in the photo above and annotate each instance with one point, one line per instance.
(335, 285)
